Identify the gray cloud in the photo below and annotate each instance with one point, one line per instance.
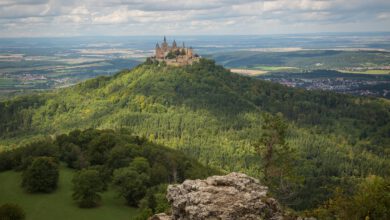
(121, 17)
(22, 2)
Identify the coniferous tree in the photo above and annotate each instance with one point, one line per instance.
(277, 157)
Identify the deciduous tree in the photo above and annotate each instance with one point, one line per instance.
(41, 176)
(87, 185)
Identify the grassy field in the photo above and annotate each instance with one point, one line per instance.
(7, 83)
(261, 70)
(374, 72)
(274, 68)
(248, 72)
(59, 205)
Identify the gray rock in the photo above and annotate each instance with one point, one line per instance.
(161, 216)
(231, 197)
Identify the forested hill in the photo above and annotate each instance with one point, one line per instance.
(207, 87)
(215, 116)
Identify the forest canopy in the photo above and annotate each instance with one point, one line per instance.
(213, 116)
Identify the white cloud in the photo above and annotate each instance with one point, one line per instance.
(78, 17)
(116, 17)
(384, 16)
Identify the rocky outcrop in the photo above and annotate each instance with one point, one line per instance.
(231, 197)
(161, 216)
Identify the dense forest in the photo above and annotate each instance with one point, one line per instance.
(332, 143)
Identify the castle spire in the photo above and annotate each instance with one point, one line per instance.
(184, 46)
(157, 45)
(174, 45)
(165, 39)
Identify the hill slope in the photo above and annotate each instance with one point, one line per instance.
(215, 116)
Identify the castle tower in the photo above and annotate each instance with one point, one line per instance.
(164, 45)
(174, 45)
(159, 52)
(190, 52)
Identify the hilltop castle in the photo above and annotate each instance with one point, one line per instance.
(174, 55)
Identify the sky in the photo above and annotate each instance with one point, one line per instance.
(57, 18)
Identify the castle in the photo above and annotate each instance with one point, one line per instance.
(174, 55)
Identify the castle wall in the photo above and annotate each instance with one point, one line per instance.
(165, 49)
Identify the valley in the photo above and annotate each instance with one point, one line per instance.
(34, 65)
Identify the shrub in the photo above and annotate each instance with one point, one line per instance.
(11, 212)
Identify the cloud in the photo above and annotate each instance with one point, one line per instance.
(22, 2)
(85, 17)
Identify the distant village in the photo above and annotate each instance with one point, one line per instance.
(175, 55)
(353, 86)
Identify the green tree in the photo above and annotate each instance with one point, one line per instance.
(372, 199)
(130, 184)
(149, 61)
(171, 55)
(155, 199)
(120, 156)
(98, 148)
(73, 156)
(270, 143)
(39, 148)
(86, 187)
(159, 174)
(41, 176)
(277, 157)
(105, 174)
(11, 212)
(141, 165)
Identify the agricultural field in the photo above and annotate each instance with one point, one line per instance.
(7, 83)
(369, 71)
(249, 72)
(305, 59)
(275, 68)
